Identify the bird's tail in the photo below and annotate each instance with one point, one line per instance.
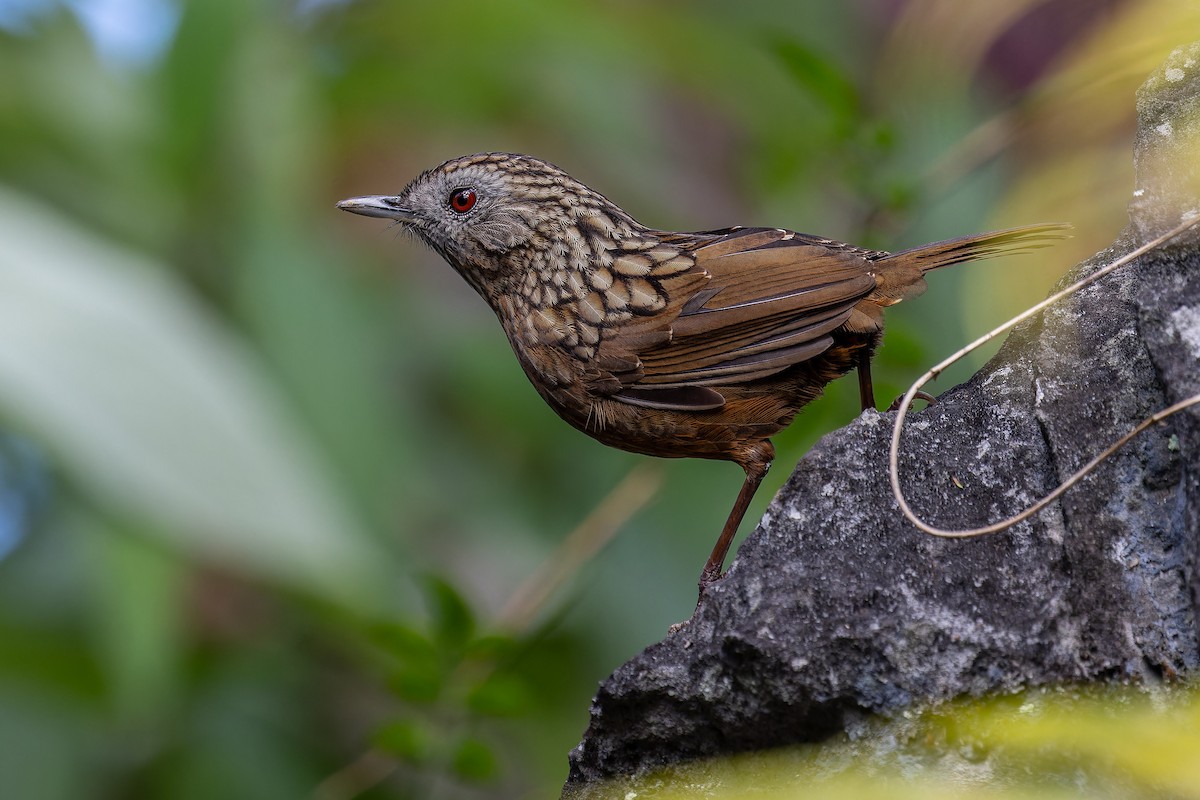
(898, 276)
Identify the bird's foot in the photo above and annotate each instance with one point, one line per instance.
(710, 575)
(707, 578)
(928, 398)
(678, 626)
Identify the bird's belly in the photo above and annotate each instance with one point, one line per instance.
(717, 434)
(753, 411)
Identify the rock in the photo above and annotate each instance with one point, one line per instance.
(836, 608)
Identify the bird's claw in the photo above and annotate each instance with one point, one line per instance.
(928, 398)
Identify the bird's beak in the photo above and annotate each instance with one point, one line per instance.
(378, 206)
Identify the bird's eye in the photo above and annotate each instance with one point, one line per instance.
(463, 200)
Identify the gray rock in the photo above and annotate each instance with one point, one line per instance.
(836, 608)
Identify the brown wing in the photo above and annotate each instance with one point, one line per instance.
(755, 302)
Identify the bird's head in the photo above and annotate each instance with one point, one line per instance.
(492, 213)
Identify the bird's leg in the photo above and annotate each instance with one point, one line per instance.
(866, 391)
(756, 461)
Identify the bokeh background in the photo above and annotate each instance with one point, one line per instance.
(279, 514)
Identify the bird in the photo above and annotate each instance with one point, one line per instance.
(674, 344)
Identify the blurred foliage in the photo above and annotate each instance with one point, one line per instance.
(1114, 743)
(272, 486)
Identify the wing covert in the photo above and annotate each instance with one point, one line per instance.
(755, 302)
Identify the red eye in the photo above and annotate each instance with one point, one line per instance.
(463, 200)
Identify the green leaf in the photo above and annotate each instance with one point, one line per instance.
(56, 665)
(406, 739)
(156, 411)
(138, 622)
(822, 79)
(501, 695)
(403, 641)
(422, 667)
(418, 683)
(474, 761)
(453, 622)
(491, 647)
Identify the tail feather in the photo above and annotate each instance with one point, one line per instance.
(898, 276)
(980, 245)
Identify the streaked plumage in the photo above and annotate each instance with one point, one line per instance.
(670, 344)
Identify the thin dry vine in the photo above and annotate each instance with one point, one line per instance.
(914, 390)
